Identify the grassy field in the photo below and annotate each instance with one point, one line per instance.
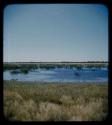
(55, 102)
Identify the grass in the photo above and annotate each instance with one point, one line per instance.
(55, 102)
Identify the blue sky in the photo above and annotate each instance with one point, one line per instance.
(55, 32)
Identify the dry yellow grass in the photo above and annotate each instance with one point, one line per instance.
(55, 102)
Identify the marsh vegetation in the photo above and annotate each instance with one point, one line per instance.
(55, 102)
(29, 66)
(56, 71)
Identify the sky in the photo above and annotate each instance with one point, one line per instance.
(55, 32)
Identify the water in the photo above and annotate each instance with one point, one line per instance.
(61, 75)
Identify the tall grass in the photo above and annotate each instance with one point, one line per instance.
(55, 102)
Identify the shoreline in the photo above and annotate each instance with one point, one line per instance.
(61, 82)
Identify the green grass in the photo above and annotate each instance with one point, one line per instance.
(55, 102)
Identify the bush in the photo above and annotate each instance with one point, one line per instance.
(25, 71)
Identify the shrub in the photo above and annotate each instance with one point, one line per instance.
(25, 71)
(66, 99)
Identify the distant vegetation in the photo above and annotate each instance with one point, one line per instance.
(25, 71)
(26, 67)
(22, 70)
(55, 102)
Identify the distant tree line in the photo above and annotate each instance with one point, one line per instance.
(27, 67)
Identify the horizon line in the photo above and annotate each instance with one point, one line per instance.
(51, 61)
